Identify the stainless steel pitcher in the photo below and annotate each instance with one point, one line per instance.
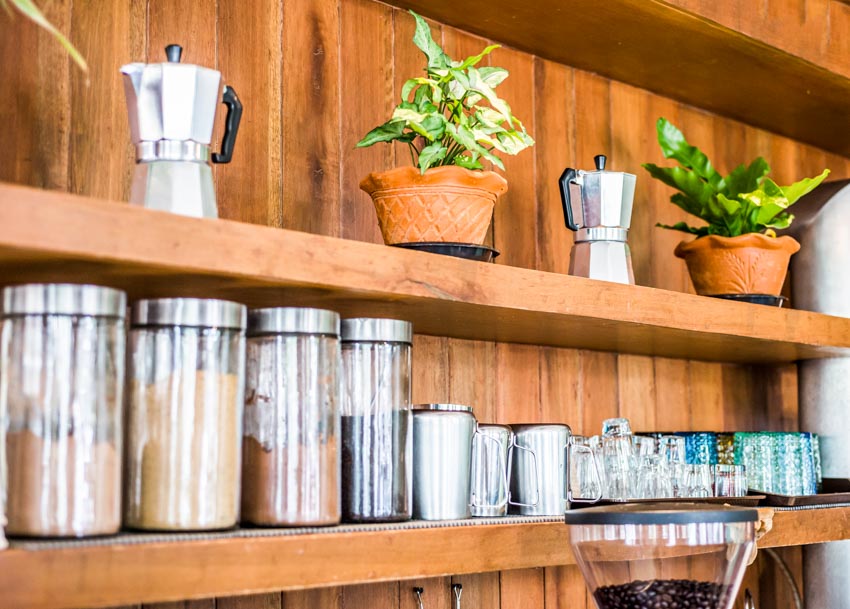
(598, 206)
(442, 451)
(540, 470)
(172, 108)
(491, 464)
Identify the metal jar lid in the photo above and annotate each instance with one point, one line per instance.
(292, 320)
(63, 299)
(443, 407)
(666, 513)
(192, 312)
(371, 329)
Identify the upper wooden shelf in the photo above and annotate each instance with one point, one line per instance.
(68, 575)
(51, 236)
(665, 49)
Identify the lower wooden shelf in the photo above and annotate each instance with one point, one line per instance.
(132, 569)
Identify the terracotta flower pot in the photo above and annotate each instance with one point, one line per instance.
(748, 264)
(445, 204)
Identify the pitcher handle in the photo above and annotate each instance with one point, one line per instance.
(536, 479)
(567, 178)
(231, 125)
(504, 478)
(596, 475)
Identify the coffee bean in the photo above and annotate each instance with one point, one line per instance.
(660, 594)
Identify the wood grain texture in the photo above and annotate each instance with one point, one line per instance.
(242, 35)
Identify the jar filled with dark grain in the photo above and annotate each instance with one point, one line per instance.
(377, 436)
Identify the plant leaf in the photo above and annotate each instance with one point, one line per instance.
(474, 59)
(683, 226)
(746, 179)
(389, 131)
(675, 146)
(686, 181)
(431, 155)
(31, 12)
(803, 187)
(422, 38)
(492, 75)
(469, 162)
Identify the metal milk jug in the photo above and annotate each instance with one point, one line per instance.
(598, 206)
(172, 108)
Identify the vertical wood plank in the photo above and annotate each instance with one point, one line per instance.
(599, 390)
(371, 596)
(192, 25)
(430, 370)
(436, 593)
(363, 59)
(523, 588)
(249, 187)
(636, 380)
(672, 410)
(311, 121)
(706, 396)
(101, 156)
(480, 590)
(518, 384)
(38, 98)
(253, 601)
(326, 598)
(472, 376)
(560, 401)
(565, 588)
(515, 216)
(207, 603)
(554, 151)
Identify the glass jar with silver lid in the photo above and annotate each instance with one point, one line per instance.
(377, 438)
(185, 395)
(61, 388)
(290, 451)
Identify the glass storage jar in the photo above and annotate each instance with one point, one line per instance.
(185, 395)
(290, 452)
(377, 437)
(61, 388)
(663, 555)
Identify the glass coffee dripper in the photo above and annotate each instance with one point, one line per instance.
(671, 555)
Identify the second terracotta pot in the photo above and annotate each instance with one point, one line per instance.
(747, 264)
(449, 204)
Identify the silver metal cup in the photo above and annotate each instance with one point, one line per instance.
(540, 470)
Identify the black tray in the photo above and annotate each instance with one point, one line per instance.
(748, 501)
(761, 299)
(470, 251)
(835, 490)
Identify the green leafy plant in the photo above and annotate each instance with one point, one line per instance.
(31, 12)
(745, 201)
(452, 115)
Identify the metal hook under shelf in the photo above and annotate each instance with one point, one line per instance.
(419, 592)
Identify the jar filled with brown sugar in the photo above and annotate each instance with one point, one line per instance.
(290, 458)
(61, 388)
(184, 414)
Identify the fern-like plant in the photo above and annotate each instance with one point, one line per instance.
(29, 10)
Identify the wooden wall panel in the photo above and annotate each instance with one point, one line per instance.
(314, 76)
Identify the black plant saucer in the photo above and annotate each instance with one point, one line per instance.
(760, 299)
(470, 251)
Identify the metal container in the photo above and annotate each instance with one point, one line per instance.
(290, 445)
(171, 108)
(184, 408)
(540, 470)
(819, 273)
(61, 395)
(442, 451)
(491, 464)
(377, 437)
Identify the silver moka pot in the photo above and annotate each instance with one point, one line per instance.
(598, 206)
(172, 108)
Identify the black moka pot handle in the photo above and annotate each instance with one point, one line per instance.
(567, 178)
(231, 125)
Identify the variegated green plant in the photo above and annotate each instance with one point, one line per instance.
(31, 12)
(745, 201)
(452, 115)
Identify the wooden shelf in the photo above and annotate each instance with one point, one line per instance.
(665, 49)
(70, 575)
(51, 236)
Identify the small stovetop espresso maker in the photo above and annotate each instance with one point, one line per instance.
(598, 206)
(172, 108)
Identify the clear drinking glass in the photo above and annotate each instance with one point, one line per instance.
(818, 466)
(672, 451)
(619, 459)
(755, 452)
(585, 479)
(644, 445)
(377, 434)
(730, 480)
(290, 444)
(700, 447)
(186, 394)
(699, 482)
(654, 481)
(61, 388)
(808, 466)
